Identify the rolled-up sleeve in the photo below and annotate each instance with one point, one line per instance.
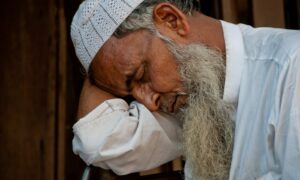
(126, 138)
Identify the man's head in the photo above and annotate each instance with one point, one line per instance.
(95, 21)
(133, 43)
(161, 52)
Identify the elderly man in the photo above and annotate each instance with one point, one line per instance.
(225, 96)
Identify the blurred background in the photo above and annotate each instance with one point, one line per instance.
(41, 81)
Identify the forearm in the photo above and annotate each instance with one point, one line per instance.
(112, 135)
(126, 139)
(90, 97)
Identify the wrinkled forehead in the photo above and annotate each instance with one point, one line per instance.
(122, 53)
(118, 59)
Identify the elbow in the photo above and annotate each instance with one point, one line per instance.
(85, 149)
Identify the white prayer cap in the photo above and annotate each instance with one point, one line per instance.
(94, 23)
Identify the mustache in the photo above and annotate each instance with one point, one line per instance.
(170, 100)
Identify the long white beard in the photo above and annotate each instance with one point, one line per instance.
(207, 119)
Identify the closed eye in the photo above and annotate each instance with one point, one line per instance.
(137, 76)
(128, 81)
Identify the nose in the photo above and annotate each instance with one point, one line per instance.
(147, 96)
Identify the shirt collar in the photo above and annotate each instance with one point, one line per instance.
(235, 59)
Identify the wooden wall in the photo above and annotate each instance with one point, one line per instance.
(39, 91)
(41, 81)
(28, 90)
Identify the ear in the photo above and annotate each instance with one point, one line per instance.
(169, 18)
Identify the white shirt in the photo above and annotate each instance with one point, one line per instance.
(262, 79)
(267, 124)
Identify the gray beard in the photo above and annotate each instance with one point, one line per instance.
(207, 119)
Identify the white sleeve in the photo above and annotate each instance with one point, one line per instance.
(287, 138)
(126, 139)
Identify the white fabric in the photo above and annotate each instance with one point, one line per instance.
(235, 61)
(94, 23)
(267, 131)
(264, 83)
(126, 139)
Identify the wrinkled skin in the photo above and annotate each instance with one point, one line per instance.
(146, 71)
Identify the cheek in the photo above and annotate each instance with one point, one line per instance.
(165, 82)
(165, 77)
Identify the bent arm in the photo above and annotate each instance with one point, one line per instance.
(126, 138)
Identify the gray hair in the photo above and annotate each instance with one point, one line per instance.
(141, 17)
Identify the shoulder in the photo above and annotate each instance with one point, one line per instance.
(274, 44)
